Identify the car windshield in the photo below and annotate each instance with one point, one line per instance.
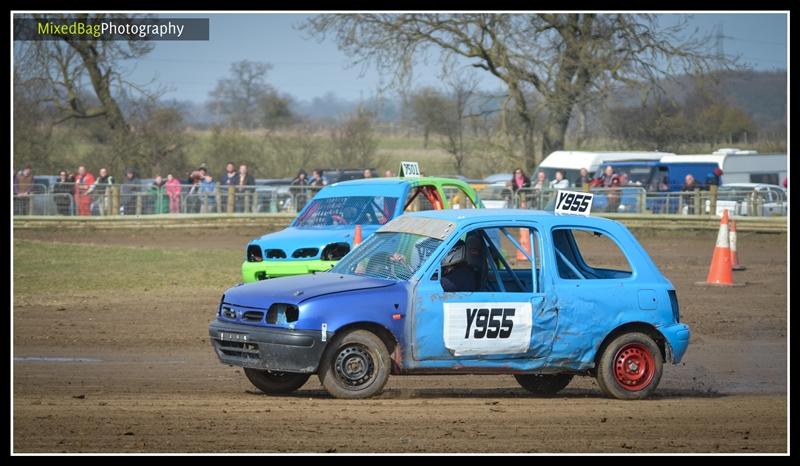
(391, 255)
(734, 193)
(348, 210)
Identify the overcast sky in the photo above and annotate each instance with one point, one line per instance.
(306, 68)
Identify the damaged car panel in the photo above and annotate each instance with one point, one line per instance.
(542, 296)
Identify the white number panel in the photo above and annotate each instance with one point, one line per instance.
(487, 328)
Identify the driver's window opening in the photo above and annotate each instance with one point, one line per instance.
(457, 198)
(423, 198)
(493, 259)
(588, 255)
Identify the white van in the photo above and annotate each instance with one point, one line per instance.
(571, 162)
(741, 166)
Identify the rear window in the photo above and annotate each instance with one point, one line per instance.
(588, 255)
(764, 178)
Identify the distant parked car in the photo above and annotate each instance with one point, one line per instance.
(498, 177)
(754, 199)
(496, 197)
(47, 180)
(268, 189)
(346, 174)
(462, 178)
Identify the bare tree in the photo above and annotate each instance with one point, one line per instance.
(275, 111)
(237, 97)
(63, 66)
(427, 107)
(565, 59)
(354, 140)
(293, 149)
(453, 126)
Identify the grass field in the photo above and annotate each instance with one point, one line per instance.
(78, 268)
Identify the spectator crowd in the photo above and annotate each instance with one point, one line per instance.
(80, 192)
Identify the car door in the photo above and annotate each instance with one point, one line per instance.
(594, 285)
(423, 197)
(504, 317)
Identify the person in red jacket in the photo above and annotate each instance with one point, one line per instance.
(83, 182)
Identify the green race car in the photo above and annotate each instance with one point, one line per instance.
(323, 232)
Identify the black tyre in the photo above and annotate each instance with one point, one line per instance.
(275, 383)
(630, 367)
(356, 365)
(543, 384)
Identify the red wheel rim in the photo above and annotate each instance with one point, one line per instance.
(634, 367)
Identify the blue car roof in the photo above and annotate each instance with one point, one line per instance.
(374, 181)
(366, 187)
(468, 216)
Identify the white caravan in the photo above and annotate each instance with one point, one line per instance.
(741, 166)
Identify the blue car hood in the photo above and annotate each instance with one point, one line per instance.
(294, 290)
(293, 238)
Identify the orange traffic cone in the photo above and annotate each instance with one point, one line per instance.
(720, 272)
(735, 265)
(357, 238)
(525, 242)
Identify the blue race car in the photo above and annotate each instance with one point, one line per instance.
(529, 293)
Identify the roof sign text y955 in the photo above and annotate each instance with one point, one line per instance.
(573, 203)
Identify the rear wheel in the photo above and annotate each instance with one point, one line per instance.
(543, 384)
(357, 365)
(630, 367)
(275, 383)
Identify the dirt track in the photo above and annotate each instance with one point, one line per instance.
(141, 376)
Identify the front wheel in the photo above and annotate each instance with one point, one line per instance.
(543, 384)
(630, 367)
(357, 365)
(275, 383)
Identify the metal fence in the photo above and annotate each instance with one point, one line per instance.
(33, 188)
(634, 199)
(201, 199)
(134, 199)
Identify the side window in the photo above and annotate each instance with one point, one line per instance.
(588, 255)
(457, 198)
(766, 178)
(492, 259)
(422, 198)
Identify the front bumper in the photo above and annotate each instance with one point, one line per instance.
(254, 271)
(273, 349)
(677, 336)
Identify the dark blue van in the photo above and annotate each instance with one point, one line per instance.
(660, 176)
(657, 176)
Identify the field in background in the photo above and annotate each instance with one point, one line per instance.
(253, 148)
